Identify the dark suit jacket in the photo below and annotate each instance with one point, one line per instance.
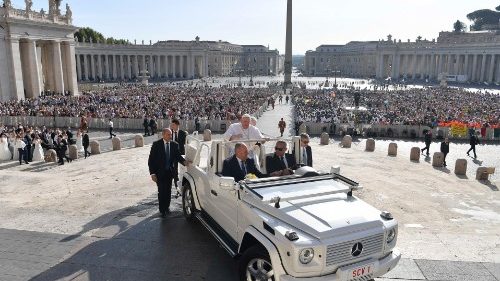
(85, 140)
(309, 157)
(157, 159)
(231, 168)
(181, 140)
(273, 163)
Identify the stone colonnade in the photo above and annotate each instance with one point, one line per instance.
(115, 67)
(41, 65)
(475, 67)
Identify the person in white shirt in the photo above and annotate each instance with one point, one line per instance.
(243, 130)
(20, 145)
(111, 134)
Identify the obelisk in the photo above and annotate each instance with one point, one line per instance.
(288, 48)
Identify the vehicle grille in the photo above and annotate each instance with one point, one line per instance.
(340, 254)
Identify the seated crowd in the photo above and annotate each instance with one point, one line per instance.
(137, 101)
(415, 106)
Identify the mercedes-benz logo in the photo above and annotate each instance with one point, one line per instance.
(357, 249)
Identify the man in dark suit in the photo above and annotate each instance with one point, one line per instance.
(473, 141)
(86, 143)
(162, 159)
(179, 136)
(305, 157)
(280, 163)
(239, 165)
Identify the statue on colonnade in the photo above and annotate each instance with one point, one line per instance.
(69, 13)
(7, 4)
(29, 5)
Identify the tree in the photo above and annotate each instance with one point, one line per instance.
(459, 26)
(86, 33)
(498, 8)
(484, 17)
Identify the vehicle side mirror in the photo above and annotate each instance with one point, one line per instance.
(227, 183)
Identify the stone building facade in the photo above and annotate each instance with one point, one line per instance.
(37, 51)
(173, 60)
(474, 56)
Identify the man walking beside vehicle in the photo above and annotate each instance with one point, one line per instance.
(163, 157)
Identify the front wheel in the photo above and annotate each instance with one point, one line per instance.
(188, 202)
(255, 265)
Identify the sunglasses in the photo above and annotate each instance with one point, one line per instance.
(279, 148)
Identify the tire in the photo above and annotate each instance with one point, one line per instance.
(256, 258)
(188, 206)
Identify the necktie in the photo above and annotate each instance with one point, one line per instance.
(167, 156)
(243, 168)
(283, 162)
(175, 136)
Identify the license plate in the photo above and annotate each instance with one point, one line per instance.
(360, 271)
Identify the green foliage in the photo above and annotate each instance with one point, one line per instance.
(483, 17)
(86, 33)
(459, 26)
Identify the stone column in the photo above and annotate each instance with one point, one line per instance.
(497, 79)
(120, 59)
(143, 64)
(174, 68)
(466, 66)
(457, 64)
(16, 73)
(414, 66)
(106, 66)
(86, 66)
(35, 86)
(474, 68)
(181, 66)
(115, 67)
(440, 65)
(129, 66)
(57, 67)
(492, 69)
(380, 65)
(92, 67)
(395, 67)
(78, 68)
(71, 83)
(449, 68)
(483, 68)
(191, 76)
(99, 67)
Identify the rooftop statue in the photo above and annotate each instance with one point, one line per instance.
(7, 4)
(29, 5)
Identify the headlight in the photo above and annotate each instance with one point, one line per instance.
(391, 235)
(306, 255)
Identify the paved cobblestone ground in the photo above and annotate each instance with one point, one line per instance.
(99, 221)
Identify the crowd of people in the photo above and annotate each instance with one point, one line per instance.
(414, 106)
(136, 101)
(27, 144)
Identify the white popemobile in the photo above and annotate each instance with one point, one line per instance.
(307, 226)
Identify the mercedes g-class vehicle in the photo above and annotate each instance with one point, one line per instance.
(305, 226)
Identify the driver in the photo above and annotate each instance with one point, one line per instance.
(280, 163)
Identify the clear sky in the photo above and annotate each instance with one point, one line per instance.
(262, 22)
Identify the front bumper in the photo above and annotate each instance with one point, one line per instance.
(382, 266)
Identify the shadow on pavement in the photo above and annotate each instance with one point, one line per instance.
(135, 246)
